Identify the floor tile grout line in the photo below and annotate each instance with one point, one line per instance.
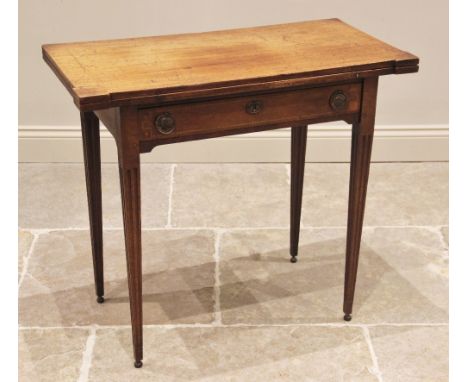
(442, 238)
(239, 228)
(217, 320)
(87, 358)
(65, 327)
(375, 361)
(239, 325)
(26, 258)
(169, 203)
(445, 244)
(437, 230)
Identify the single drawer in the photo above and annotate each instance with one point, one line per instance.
(237, 113)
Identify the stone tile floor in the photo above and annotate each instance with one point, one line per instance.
(221, 300)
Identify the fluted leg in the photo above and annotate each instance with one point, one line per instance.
(130, 187)
(129, 170)
(361, 147)
(92, 162)
(298, 151)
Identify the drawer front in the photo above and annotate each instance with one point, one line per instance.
(191, 119)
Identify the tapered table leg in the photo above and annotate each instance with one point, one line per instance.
(361, 147)
(129, 170)
(298, 151)
(92, 162)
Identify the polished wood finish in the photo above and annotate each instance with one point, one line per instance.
(92, 162)
(162, 90)
(102, 74)
(298, 152)
(361, 147)
(283, 108)
(129, 170)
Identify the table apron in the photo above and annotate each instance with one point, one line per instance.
(236, 115)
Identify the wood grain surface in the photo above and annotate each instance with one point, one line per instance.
(102, 74)
(287, 108)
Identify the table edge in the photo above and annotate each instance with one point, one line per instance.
(103, 100)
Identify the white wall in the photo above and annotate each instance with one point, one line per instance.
(420, 27)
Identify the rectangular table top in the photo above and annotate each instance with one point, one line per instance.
(101, 74)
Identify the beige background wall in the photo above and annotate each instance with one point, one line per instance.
(404, 101)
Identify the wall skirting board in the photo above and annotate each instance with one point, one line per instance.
(326, 143)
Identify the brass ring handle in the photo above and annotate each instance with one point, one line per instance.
(254, 107)
(338, 100)
(165, 123)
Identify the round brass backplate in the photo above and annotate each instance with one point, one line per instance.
(165, 123)
(338, 100)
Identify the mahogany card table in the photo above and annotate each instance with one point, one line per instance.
(153, 91)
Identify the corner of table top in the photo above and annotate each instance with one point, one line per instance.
(407, 65)
(84, 98)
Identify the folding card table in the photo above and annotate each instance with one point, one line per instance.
(162, 90)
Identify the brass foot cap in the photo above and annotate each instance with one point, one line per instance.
(347, 317)
(138, 364)
(100, 299)
(293, 259)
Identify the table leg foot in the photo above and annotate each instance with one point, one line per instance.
(138, 364)
(100, 299)
(293, 259)
(347, 317)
